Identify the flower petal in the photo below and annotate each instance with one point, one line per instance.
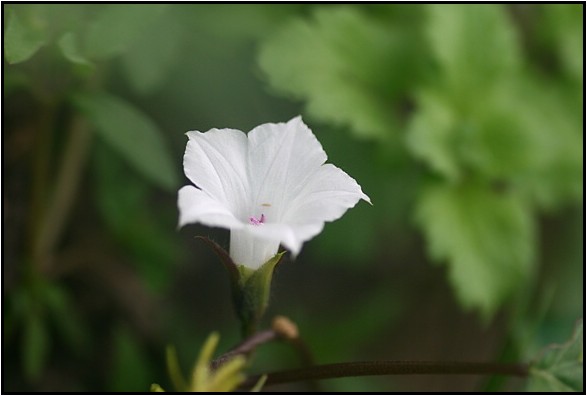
(281, 159)
(325, 197)
(249, 250)
(216, 162)
(292, 236)
(196, 206)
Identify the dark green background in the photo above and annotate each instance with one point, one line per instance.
(464, 124)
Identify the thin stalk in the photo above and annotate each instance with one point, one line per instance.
(40, 175)
(66, 187)
(245, 348)
(357, 369)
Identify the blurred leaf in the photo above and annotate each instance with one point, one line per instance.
(560, 368)
(432, 135)
(116, 26)
(21, 39)
(524, 134)
(151, 57)
(35, 348)
(132, 134)
(567, 23)
(239, 22)
(553, 143)
(475, 46)
(130, 370)
(122, 201)
(486, 238)
(66, 320)
(156, 388)
(347, 66)
(69, 46)
(174, 369)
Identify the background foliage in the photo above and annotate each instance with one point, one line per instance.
(463, 123)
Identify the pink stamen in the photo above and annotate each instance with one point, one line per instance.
(255, 221)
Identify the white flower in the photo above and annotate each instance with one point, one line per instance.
(269, 187)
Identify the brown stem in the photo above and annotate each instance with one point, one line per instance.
(66, 186)
(245, 348)
(356, 369)
(40, 172)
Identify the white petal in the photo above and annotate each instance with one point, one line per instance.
(251, 251)
(325, 197)
(282, 157)
(216, 162)
(195, 206)
(292, 236)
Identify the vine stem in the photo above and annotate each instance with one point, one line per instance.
(357, 369)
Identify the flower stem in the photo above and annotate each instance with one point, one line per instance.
(356, 369)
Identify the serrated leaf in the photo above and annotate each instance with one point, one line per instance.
(21, 41)
(486, 238)
(475, 46)
(116, 26)
(560, 368)
(132, 134)
(349, 67)
(433, 137)
(524, 134)
(554, 140)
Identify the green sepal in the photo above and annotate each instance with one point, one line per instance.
(255, 288)
(250, 288)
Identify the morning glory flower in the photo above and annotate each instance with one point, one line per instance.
(268, 187)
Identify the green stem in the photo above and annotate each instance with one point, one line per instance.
(356, 369)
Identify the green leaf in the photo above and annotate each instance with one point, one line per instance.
(69, 46)
(433, 136)
(560, 368)
(21, 40)
(132, 134)
(525, 134)
(130, 368)
(486, 239)
(65, 318)
(149, 60)
(567, 23)
(553, 143)
(122, 200)
(174, 369)
(35, 347)
(475, 46)
(349, 67)
(117, 26)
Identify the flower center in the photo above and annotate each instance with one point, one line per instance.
(257, 221)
